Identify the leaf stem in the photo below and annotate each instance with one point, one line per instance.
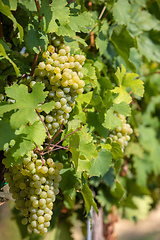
(100, 16)
(49, 136)
(70, 2)
(58, 132)
(55, 149)
(148, 74)
(25, 74)
(67, 136)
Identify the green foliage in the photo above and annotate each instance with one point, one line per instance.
(25, 102)
(96, 170)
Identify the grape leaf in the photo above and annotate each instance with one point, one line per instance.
(11, 3)
(69, 179)
(89, 72)
(123, 41)
(109, 177)
(74, 148)
(84, 98)
(74, 124)
(116, 150)
(148, 47)
(83, 165)
(6, 133)
(118, 192)
(127, 81)
(88, 198)
(3, 53)
(121, 11)
(83, 150)
(111, 120)
(21, 148)
(145, 21)
(143, 205)
(56, 11)
(28, 4)
(39, 38)
(101, 164)
(82, 22)
(85, 144)
(26, 103)
(95, 124)
(107, 197)
(34, 133)
(102, 39)
(143, 168)
(24, 141)
(47, 107)
(134, 149)
(4, 9)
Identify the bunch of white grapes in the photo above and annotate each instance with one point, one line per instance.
(61, 73)
(34, 185)
(121, 135)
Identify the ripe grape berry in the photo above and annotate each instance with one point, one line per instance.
(121, 135)
(61, 73)
(34, 187)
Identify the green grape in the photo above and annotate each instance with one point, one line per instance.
(45, 54)
(62, 77)
(42, 73)
(1, 97)
(49, 118)
(56, 42)
(121, 134)
(54, 56)
(48, 67)
(41, 65)
(57, 105)
(49, 61)
(51, 49)
(55, 125)
(24, 221)
(59, 93)
(62, 52)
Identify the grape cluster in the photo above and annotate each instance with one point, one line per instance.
(121, 135)
(61, 73)
(34, 185)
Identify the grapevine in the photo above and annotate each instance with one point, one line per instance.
(34, 183)
(79, 134)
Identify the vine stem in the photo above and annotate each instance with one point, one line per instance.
(67, 136)
(49, 136)
(24, 75)
(50, 149)
(38, 9)
(54, 149)
(100, 16)
(59, 131)
(37, 5)
(34, 64)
